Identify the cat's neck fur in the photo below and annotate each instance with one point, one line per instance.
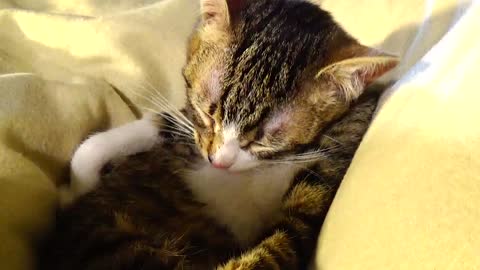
(246, 203)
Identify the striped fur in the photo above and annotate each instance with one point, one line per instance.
(271, 67)
(277, 55)
(291, 242)
(143, 216)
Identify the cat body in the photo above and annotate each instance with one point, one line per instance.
(145, 215)
(242, 178)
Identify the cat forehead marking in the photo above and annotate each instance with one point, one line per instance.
(230, 133)
(213, 85)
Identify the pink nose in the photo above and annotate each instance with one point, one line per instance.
(221, 166)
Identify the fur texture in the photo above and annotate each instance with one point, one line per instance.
(157, 210)
(274, 63)
(243, 177)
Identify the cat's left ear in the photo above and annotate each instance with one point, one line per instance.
(352, 74)
(221, 13)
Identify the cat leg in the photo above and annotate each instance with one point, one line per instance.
(291, 243)
(94, 153)
(274, 252)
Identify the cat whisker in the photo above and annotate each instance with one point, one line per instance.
(166, 112)
(177, 128)
(179, 143)
(288, 161)
(160, 97)
(176, 133)
(333, 139)
(320, 151)
(306, 157)
(155, 98)
(147, 97)
(180, 126)
(303, 159)
(174, 113)
(166, 115)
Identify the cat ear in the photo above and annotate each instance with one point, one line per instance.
(362, 67)
(221, 13)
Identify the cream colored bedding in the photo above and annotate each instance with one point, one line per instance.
(410, 200)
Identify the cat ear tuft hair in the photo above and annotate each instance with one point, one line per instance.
(352, 75)
(221, 13)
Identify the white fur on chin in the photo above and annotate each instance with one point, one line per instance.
(246, 202)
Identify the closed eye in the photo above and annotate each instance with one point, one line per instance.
(246, 145)
(258, 143)
(257, 146)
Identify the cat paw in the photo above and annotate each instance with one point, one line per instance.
(104, 147)
(86, 164)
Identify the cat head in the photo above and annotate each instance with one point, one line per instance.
(265, 77)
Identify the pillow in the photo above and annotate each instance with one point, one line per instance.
(65, 76)
(411, 197)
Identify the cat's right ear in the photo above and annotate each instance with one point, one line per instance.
(221, 13)
(353, 66)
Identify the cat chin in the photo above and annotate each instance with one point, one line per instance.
(243, 167)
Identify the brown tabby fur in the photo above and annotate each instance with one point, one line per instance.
(143, 216)
(268, 58)
(268, 54)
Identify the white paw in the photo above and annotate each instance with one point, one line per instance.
(101, 148)
(85, 167)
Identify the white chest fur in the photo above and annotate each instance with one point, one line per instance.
(246, 202)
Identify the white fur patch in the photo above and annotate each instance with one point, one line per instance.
(245, 202)
(230, 155)
(230, 133)
(245, 161)
(101, 148)
(227, 154)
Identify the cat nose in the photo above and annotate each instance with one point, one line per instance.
(222, 166)
(225, 156)
(219, 164)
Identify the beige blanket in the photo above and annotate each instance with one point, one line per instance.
(410, 200)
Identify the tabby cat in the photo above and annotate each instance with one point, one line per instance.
(242, 178)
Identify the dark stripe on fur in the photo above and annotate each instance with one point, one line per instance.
(288, 37)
